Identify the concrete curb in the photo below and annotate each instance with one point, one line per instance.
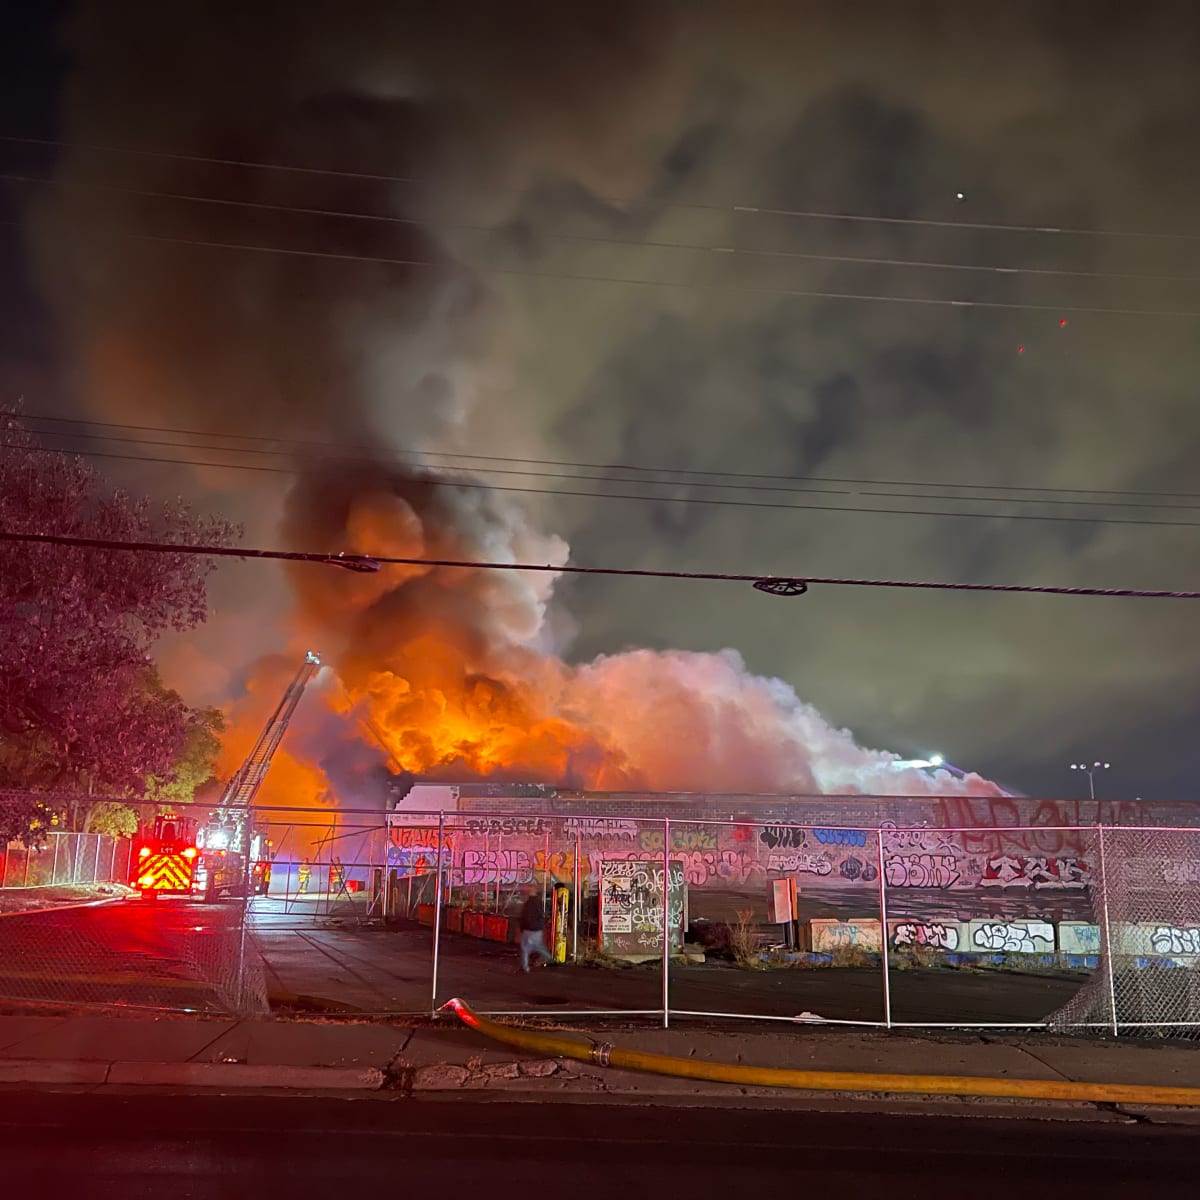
(57, 908)
(191, 1075)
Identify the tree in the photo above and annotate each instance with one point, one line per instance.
(196, 765)
(81, 708)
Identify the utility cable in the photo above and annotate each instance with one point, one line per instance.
(604, 240)
(776, 584)
(794, 213)
(394, 460)
(597, 466)
(669, 284)
(467, 482)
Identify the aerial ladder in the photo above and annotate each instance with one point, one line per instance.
(234, 858)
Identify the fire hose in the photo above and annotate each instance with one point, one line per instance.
(605, 1055)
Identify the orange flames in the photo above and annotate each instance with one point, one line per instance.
(443, 671)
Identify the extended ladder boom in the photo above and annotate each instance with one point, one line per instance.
(243, 787)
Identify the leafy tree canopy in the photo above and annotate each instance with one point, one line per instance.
(81, 708)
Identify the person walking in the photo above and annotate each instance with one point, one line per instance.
(533, 928)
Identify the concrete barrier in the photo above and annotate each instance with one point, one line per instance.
(829, 935)
(948, 936)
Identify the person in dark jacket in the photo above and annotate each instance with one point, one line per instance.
(533, 928)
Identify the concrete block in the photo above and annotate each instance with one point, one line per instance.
(1012, 936)
(828, 935)
(928, 935)
(1158, 940)
(1078, 937)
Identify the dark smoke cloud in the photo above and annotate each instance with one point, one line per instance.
(568, 121)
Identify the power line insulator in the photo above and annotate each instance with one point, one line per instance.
(781, 587)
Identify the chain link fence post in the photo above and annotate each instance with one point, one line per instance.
(1106, 935)
(240, 991)
(883, 930)
(437, 911)
(666, 914)
(575, 915)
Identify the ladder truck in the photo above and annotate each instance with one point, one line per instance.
(226, 856)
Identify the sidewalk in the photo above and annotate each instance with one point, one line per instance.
(435, 1060)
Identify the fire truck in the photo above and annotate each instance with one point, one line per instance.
(224, 855)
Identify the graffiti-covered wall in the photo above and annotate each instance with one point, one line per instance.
(947, 844)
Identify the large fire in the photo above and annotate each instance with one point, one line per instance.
(446, 672)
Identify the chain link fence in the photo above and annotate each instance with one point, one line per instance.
(65, 860)
(1066, 927)
(1148, 914)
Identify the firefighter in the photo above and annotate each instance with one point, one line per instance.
(305, 875)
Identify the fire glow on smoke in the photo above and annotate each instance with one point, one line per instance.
(450, 672)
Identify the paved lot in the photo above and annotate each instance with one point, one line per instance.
(176, 954)
(379, 970)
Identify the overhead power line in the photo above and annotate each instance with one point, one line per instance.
(461, 481)
(735, 251)
(398, 459)
(652, 202)
(775, 584)
(598, 466)
(667, 284)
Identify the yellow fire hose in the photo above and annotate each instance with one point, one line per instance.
(604, 1055)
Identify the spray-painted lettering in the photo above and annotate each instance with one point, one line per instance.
(612, 829)
(418, 837)
(840, 837)
(1021, 937)
(1186, 871)
(921, 841)
(926, 933)
(681, 839)
(560, 864)
(506, 827)
(795, 864)
(921, 870)
(787, 837)
(485, 866)
(1010, 870)
(1167, 939)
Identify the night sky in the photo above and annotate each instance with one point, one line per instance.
(628, 142)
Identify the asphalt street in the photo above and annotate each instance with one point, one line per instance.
(179, 955)
(193, 1147)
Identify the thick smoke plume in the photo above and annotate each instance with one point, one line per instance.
(481, 114)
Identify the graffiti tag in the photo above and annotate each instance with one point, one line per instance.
(921, 870)
(789, 837)
(1009, 870)
(1024, 937)
(1166, 939)
(509, 866)
(926, 933)
(840, 837)
(796, 864)
(506, 826)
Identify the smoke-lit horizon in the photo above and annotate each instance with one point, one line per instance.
(492, 158)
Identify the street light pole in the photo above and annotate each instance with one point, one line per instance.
(1090, 771)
